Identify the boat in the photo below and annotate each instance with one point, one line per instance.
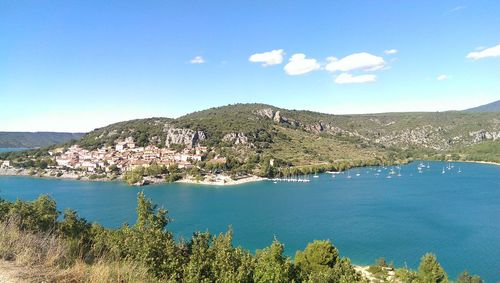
(315, 176)
(349, 175)
(459, 170)
(442, 172)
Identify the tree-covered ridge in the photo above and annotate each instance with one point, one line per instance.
(144, 131)
(70, 249)
(35, 139)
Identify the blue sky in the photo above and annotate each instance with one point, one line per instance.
(78, 65)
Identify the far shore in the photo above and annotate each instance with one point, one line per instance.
(210, 180)
(480, 162)
(220, 180)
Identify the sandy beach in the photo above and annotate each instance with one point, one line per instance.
(222, 181)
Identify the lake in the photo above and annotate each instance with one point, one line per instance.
(454, 215)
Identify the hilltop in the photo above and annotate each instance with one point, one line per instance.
(307, 137)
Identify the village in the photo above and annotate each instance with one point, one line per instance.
(126, 156)
(110, 162)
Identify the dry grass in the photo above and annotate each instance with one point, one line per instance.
(43, 257)
(31, 249)
(105, 271)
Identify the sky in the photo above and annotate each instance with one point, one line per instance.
(78, 65)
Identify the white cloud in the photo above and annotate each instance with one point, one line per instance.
(443, 77)
(485, 53)
(273, 57)
(457, 8)
(197, 60)
(364, 61)
(391, 51)
(346, 78)
(299, 65)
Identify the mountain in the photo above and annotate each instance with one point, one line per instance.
(300, 137)
(490, 107)
(35, 139)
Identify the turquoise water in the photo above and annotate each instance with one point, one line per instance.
(455, 215)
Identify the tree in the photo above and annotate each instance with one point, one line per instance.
(230, 264)
(38, 215)
(272, 266)
(198, 269)
(318, 256)
(465, 277)
(430, 271)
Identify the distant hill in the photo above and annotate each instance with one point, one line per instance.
(35, 139)
(490, 107)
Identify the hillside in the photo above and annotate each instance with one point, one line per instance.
(306, 137)
(490, 107)
(248, 140)
(35, 139)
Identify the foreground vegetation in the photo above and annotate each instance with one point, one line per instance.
(69, 249)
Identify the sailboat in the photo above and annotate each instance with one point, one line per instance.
(399, 172)
(459, 170)
(442, 172)
(349, 175)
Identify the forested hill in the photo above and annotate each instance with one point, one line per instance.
(35, 139)
(490, 107)
(306, 137)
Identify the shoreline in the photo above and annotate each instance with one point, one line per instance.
(218, 180)
(480, 162)
(224, 181)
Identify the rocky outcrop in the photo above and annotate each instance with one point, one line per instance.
(482, 135)
(266, 112)
(277, 117)
(236, 138)
(187, 137)
(315, 128)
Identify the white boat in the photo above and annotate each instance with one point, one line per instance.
(315, 176)
(442, 172)
(459, 170)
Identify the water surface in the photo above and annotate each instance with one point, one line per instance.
(454, 215)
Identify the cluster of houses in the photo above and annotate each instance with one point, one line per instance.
(125, 155)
